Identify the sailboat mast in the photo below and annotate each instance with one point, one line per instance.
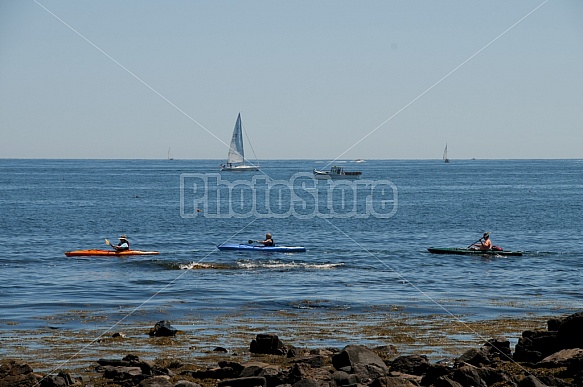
(445, 158)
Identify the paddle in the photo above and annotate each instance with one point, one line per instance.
(250, 241)
(107, 242)
(479, 240)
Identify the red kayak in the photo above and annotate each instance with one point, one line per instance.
(96, 252)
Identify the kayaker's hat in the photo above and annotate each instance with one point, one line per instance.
(486, 234)
(268, 235)
(123, 238)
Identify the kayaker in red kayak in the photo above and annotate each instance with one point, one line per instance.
(123, 244)
(484, 243)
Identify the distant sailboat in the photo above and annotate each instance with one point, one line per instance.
(445, 158)
(236, 156)
(169, 158)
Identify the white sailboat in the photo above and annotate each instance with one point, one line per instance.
(445, 159)
(236, 156)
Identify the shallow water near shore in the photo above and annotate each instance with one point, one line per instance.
(365, 279)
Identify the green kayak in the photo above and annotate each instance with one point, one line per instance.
(462, 251)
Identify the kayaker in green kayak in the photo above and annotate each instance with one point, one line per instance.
(483, 243)
(123, 244)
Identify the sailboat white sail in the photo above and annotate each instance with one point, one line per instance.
(445, 158)
(236, 155)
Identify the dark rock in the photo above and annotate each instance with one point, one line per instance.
(525, 352)
(131, 358)
(271, 373)
(236, 367)
(498, 348)
(163, 329)
(479, 377)
(221, 349)
(533, 346)
(564, 358)
(61, 380)
(570, 333)
(386, 352)
(121, 374)
(156, 381)
(212, 373)
(468, 376)
(445, 381)
(341, 378)
(17, 374)
(530, 381)
(267, 344)
(251, 381)
(313, 361)
(434, 372)
(292, 352)
(554, 324)
(186, 383)
(391, 381)
(357, 354)
(129, 361)
(252, 369)
(413, 364)
(298, 372)
(306, 383)
(368, 372)
(113, 363)
(475, 357)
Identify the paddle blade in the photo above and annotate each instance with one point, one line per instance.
(249, 241)
(107, 242)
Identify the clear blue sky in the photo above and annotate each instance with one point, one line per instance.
(310, 78)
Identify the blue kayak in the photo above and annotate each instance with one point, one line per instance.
(272, 249)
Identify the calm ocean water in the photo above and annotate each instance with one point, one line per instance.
(354, 265)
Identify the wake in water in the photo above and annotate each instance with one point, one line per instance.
(254, 264)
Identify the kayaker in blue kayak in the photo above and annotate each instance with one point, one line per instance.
(484, 243)
(268, 240)
(123, 244)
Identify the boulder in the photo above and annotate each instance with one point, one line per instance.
(341, 378)
(306, 383)
(476, 357)
(62, 379)
(571, 358)
(570, 333)
(412, 364)
(391, 381)
(534, 346)
(186, 383)
(157, 381)
(250, 381)
(530, 381)
(236, 367)
(352, 355)
(163, 329)
(267, 344)
(435, 372)
(498, 348)
(129, 360)
(313, 361)
(16, 374)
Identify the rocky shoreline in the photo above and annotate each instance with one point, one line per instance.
(550, 357)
